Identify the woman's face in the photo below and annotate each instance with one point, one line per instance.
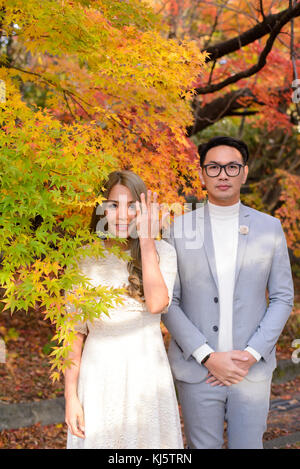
(120, 211)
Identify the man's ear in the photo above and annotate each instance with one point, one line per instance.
(246, 170)
(200, 172)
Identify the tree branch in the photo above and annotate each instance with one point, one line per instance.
(284, 18)
(261, 7)
(226, 105)
(258, 31)
(64, 91)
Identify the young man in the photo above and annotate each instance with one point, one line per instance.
(224, 326)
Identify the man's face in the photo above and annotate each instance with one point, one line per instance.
(223, 189)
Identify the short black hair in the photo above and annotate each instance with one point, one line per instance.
(223, 140)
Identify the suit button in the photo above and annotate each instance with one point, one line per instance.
(216, 299)
(215, 328)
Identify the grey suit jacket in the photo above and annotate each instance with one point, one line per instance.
(193, 316)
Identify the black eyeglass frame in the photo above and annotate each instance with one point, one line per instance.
(221, 166)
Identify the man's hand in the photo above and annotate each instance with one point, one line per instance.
(228, 368)
(246, 365)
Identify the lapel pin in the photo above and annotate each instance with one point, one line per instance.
(244, 229)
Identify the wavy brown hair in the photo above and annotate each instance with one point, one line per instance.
(136, 186)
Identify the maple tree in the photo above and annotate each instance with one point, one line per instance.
(89, 87)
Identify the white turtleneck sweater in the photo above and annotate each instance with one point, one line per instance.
(225, 231)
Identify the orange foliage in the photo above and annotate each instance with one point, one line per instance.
(290, 210)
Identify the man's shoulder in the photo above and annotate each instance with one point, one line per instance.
(261, 216)
(189, 215)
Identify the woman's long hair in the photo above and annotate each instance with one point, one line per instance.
(136, 186)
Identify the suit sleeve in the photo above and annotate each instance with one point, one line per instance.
(281, 297)
(183, 331)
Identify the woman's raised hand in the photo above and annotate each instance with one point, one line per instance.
(148, 221)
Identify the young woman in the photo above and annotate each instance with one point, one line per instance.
(120, 392)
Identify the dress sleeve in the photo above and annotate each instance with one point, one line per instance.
(168, 266)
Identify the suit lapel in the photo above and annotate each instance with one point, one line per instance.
(244, 220)
(209, 245)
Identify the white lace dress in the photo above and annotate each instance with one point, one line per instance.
(125, 383)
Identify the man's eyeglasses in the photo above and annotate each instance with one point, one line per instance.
(213, 170)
